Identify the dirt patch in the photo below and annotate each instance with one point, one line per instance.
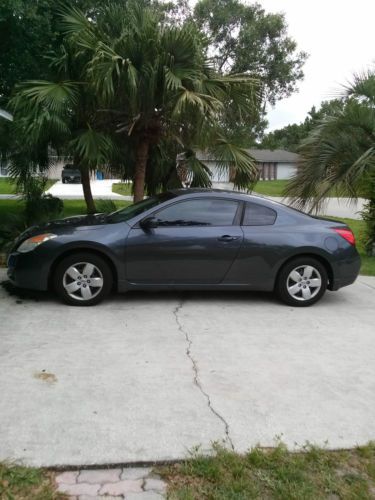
(50, 378)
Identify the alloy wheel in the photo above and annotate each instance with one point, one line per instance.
(83, 281)
(304, 283)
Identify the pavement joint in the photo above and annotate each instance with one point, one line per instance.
(197, 382)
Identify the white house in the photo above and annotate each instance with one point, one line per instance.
(276, 164)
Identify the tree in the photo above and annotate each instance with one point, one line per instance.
(291, 136)
(339, 153)
(60, 115)
(29, 35)
(245, 39)
(158, 91)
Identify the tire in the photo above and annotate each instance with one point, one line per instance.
(294, 283)
(63, 181)
(82, 279)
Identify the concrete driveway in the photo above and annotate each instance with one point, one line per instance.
(146, 377)
(99, 189)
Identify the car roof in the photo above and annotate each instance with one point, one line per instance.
(238, 195)
(214, 192)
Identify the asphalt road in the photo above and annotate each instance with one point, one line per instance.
(146, 377)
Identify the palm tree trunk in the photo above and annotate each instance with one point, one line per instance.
(140, 170)
(85, 180)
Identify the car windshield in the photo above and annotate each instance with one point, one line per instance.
(127, 213)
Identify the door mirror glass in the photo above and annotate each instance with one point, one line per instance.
(149, 223)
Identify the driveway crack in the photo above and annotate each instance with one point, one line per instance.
(196, 379)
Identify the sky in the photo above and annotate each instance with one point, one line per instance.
(339, 37)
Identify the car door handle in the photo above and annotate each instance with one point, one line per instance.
(227, 237)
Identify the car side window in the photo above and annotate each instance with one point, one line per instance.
(198, 212)
(258, 215)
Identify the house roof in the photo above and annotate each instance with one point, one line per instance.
(273, 156)
(261, 156)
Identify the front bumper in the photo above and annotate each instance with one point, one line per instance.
(28, 270)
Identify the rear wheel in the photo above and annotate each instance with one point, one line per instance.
(83, 279)
(302, 282)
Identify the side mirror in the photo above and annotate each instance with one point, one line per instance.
(149, 223)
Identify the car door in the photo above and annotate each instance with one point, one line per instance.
(195, 242)
(260, 250)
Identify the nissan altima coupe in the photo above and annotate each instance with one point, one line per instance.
(188, 239)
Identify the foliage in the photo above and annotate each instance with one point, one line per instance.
(130, 84)
(13, 218)
(39, 207)
(245, 39)
(291, 136)
(29, 35)
(106, 206)
(36, 208)
(359, 228)
(339, 153)
(311, 474)
(159, 93)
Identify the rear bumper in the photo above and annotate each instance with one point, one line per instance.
(345, 271)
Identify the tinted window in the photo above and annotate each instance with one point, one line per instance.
(199, 212)
(258, 215)
(131, 211)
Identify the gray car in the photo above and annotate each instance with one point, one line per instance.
(70, 173)
(188, 239)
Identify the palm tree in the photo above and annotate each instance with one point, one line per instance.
(58, 115)
(339, 154)
(159, 92)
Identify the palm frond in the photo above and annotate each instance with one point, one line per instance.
(94, 148)
(236, 160)
(34, 95)
(336, 156)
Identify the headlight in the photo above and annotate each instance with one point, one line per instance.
(32, 243)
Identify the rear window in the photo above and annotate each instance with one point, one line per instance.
(258, 215)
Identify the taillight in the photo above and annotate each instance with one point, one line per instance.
(345, 233)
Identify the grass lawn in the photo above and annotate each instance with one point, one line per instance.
(274, 474)
(8, 187)
(124, 188)
(276, 188)
(24, 483)
(270, 188)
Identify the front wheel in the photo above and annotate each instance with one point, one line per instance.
(83, 279)
(302, 282)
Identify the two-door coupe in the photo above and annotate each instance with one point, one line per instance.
(188, 239)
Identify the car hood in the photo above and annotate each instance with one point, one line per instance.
(77, 222)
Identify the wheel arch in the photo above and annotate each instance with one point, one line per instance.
(72, 251)
(324, 261)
